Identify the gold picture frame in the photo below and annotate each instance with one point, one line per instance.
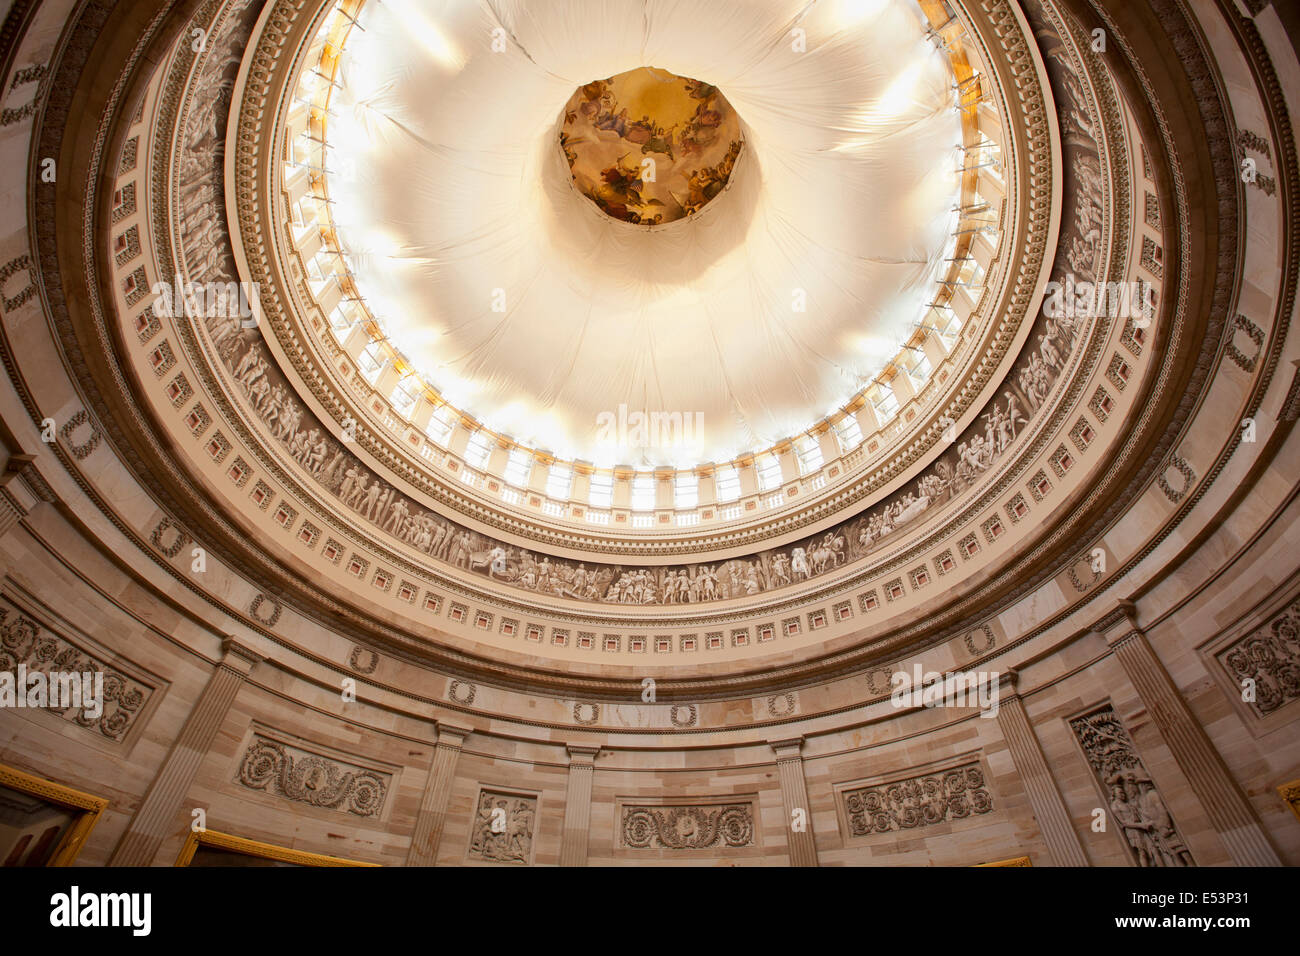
(1014, 861)
(1290, 793)
(88, 807)
(269, 851)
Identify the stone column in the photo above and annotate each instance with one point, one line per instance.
(156, 815)
(577, 806)
(16, 499)
(794, 794)
(1044, 796)
(1229, 811)
(437, 792)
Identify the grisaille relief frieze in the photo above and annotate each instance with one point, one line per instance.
(37, 649)
(687, 826)
(916, 802)
(293, 773)
(1137, 810)
(1265, 664)
(503, 827)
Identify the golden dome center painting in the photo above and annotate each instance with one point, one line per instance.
(648, 146)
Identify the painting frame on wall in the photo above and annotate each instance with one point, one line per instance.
(243, 846)
(1290, 794)
(83, 809)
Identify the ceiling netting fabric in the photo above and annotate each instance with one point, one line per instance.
(531, 309)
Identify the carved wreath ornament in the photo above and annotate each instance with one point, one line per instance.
(688, 828)
(310, 779)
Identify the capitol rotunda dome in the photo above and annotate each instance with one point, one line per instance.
(601, 433)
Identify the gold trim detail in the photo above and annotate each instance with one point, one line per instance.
(226, 841)
(1290, 793)
(1014, 861)
(91, 806)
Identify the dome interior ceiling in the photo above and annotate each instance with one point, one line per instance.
(526, 306)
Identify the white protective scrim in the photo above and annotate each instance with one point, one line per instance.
(529, 308)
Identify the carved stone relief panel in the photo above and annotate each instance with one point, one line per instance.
(31, 645)
(687, 826)
(289, 771)
(1264, 665)
(503, 827)
(913, 802)
(1135, 807)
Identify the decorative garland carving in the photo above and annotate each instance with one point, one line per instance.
(255, 610)
(919, 801)
(1265, 663)
(463, 692)
(80, 450)
(25, 641)
(989, 638)
(304, 777)
(12, 268)
(699, 827)
(786, 705)
(690, 719)
(179, 539)
(1183, 468)
(370, 658)
(1254, 333)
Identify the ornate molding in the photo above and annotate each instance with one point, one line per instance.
(302, 776)
(1264, 665)
(724, 826)
(26, 641)
(919, 801)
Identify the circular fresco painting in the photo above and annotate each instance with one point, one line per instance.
(648, 146)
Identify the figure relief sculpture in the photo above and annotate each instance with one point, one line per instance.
(503, 828)
(1135, 805)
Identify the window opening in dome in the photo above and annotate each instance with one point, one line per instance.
(769, 472)
(478, 450)
(601, 493)
(686, 490)
(559, 482)
(519, 467)
(643, 493)
(810, 454)
(727, 484)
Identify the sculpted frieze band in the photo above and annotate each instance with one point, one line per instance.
(986, 442)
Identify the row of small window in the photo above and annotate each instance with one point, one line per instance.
(808, 450)
(405, 392)
(559, 481)
(518, 468)
(686, 495)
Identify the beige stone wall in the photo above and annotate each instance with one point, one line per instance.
(663, 770)
(77, 560)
